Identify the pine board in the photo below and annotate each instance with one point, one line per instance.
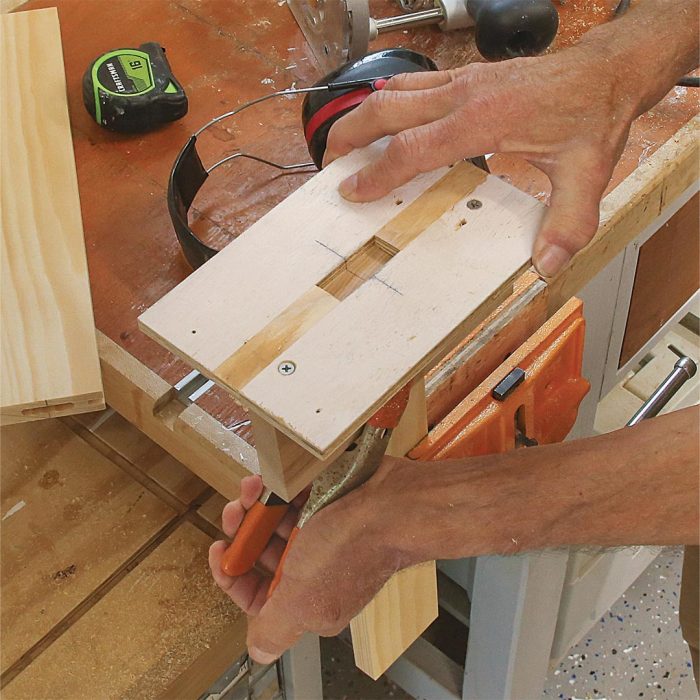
(70, 519)
(143, 634)
(451, 266)
(49, 364)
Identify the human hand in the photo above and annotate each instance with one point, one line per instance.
(565, 113)
(334, 568)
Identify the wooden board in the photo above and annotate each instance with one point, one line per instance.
(668, 274)
(219, 456)
(143, 634)
(407, 603)
(70, 518)
(350, 356)
(49, 364)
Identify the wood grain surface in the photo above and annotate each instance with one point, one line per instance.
(144, 633)
(106, 591)
(82, 518)
(49, 363)
(225, 53)
(388, 331)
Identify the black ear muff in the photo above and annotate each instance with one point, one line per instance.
(322, 109)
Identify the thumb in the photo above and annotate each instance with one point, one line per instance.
(573, 214)
(274, 630)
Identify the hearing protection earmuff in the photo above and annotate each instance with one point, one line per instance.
(325, 102)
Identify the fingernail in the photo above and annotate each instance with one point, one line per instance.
(347, 187)
(328, 158)
(551, 260)
(260, 656)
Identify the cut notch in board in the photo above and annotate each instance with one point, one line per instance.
(361, 266)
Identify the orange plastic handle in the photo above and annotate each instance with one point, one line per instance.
(278, 572)
(258, 526)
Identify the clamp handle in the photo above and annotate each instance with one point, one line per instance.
(258, 526)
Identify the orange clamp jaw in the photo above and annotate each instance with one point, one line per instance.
(540, 407)
(258, 526)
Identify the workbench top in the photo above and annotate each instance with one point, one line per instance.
(225, 53)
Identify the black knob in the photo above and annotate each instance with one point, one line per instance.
(511, 28)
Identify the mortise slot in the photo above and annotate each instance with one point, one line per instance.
(46, 410)
(358, 268)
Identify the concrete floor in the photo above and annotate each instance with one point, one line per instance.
(634, 651)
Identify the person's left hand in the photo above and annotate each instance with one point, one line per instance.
(334, 568)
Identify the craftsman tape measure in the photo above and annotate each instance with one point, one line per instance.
(133, 90)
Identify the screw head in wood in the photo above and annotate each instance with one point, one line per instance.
(474, 204)
(286, 367)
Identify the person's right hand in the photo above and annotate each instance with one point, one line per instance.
(565, 113)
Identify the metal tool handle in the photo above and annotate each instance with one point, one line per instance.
(683, 370)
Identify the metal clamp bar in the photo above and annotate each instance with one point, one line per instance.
(682, 371)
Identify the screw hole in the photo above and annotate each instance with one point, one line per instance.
(318, 410)
(399, 202)
(193, 332)
(462, 222)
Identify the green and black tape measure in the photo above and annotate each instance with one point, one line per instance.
(133, 89)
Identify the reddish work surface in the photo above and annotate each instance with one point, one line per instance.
(226, 52)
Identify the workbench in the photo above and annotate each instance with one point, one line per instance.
(225, 53)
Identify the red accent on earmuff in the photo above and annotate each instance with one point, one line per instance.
(349, 99)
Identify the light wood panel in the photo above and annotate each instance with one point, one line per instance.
(453, 267)
(70, 518)
(49, 364)
(143, 634)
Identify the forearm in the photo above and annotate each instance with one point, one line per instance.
(635, 486)
(649, 48)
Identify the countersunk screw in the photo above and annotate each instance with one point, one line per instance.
(474, 204)
(286, 367)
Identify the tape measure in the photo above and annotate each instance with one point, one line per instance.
(133, 90)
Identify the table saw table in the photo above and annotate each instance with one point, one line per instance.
(225, 53)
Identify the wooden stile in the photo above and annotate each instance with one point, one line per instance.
(49, 364)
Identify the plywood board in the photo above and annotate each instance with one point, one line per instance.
(49, 364)
(70, 518)
(452, 265)
(143, 634)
